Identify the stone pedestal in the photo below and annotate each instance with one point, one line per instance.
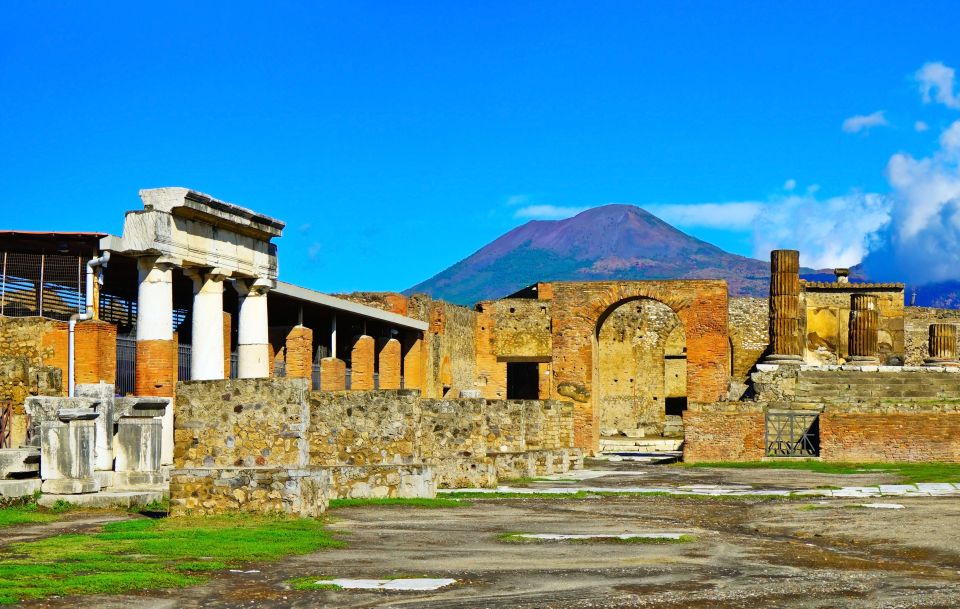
(785, 344)
(942, 346)
(864, 324)
(137, 449)
(67, 447)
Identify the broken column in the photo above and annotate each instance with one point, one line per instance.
(412, 364)
(207, 352)
(864, 325)
(333, 374)
(362, 364)
(390, 365)
(785, 344)
(299, 353)
(253, 344)
(942, 346)
(156, 367)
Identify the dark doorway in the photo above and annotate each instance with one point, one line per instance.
(523, 381)
(675, 406)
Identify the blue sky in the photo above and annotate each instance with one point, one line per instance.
(397, 138)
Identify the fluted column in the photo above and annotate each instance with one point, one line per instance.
(253, 343)
(942, 346)
(785, 344)
(206, 357)
(864, 324)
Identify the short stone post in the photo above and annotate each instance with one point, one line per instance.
(333, 374)
(362, 364)
(942, 346)
(68, 452)
(137, 443)
(390, 365)
(785, 344)
(864, 324)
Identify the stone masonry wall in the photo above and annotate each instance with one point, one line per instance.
(749, 327)
(450, 359)
(826, 323)
(917, 322)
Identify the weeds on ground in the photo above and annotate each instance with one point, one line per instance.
(151, 554)
(908, 472)
(24, 513)
(420, 502)
(311, 583)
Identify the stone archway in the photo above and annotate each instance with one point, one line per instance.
(579, 310)
(640, 373)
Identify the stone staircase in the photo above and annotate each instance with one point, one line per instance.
(646, 446)
(846, 386)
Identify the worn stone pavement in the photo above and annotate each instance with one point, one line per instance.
(814, 552)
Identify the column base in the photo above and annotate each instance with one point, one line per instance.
(783, 360)
(933, 362)
(863, 360)
(70, 486)
(134, 481)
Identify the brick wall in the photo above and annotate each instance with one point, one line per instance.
(156, 370)
(95, 344)
(722, 432)
(889, 437)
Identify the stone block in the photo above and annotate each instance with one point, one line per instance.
(19, 488)
(67, 456)
(19, 462)
(137, 445)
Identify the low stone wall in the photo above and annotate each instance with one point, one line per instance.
(235, 438)
(723, 432)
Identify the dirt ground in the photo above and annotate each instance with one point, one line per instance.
(746, 553)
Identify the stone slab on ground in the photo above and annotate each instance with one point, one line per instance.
(104, 500)
(19, 488)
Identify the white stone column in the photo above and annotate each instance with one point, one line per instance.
(154, 300)
(253, 343)
(206, 354)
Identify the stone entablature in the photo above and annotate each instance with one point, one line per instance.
(186, 228)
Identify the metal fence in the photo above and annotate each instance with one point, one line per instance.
(126, 365)
(792, 434)
(6, 424)
(41, 285)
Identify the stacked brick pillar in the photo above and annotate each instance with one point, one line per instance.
(864, 325)
(362, 364)
(299, 353)
(785, 344)
(942, 346)
(390, 365)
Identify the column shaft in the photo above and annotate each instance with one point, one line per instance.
(864, 324)
(207, 353)
(785, 343)
(156, 367)
(253, 342)
(942, 345)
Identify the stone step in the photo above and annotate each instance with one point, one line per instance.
(19, 462)
(640, 445)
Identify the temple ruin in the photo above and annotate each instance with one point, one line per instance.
(172, 360)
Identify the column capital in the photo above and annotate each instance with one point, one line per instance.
(201, 275)
(253, 287)
(162, 263)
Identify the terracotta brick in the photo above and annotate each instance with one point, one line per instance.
(362, 364)
(723, 436)
(333, 374)
(226, 344)
(389, 361)
(56, 350)
(879, 437)
(156, 371)
(95, 352)
(413, 365)
(299, 352)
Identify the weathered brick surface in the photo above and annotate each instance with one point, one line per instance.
(413, 364)
(30, 364)
(362, 364)
(156, 369)
(734, 434)
(227, 344)
(299, 353)
(385, 301)
(579, 309)
(333, 374)
(890, 437)
(95, 344)
(389, 364)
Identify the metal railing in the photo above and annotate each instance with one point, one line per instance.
(41, 285)
(792, 434)
(6, 424)
(126, 365)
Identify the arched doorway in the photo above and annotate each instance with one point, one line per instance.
(640, 378)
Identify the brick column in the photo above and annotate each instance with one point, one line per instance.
(299, 347)
(413, 365)
(942, 346)
(785, 344)
(362, 364)
(207, 361)
(253, 343)
(333, 374)
(864, 323)
(390, 365)
(156, 368)
(95, 354)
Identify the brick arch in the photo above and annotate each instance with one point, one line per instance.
(579, 309)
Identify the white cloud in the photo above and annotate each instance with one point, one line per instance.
(734, 215)
(547, 212)
(863, 122)
(936, 84)
(920, 126)
(313, 251)
(813, 188)
(790, 184)
(832, 232)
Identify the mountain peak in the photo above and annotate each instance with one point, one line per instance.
(615, 241)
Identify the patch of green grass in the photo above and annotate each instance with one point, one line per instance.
(519, 538)
(907, 472)
(24, 514)
(146, 554)
(809, 507)
(311, 583)
(530, 480)
(421, 502)
(158, 507)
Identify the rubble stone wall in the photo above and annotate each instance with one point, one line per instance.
(450, 359)
(749, 323)
(917, 322)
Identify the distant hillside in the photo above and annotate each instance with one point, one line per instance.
(609, 242)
